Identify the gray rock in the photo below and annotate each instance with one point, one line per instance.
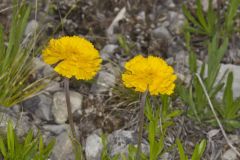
(170, 4)
(229, 155)
(161, 33)
(56, 129)
(107, 51)
(165, 156)
(176, 20)
(205, 4)
(105, 80)
(23, 124)
(141, 16)
(40, 106)
(119, 140)
(235, 139)
(53, 86)
(59, 107)
(43, 68)
(31, 27)
(236, 78)
(43, 110)
(94, 147)
(63, 149)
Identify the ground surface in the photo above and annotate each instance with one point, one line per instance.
(120, 30)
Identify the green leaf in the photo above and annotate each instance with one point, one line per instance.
(174, 114)
(192, 62)
(228, 95)
(2, 46)
(48, 149)
(231, 14)
(199, 150)
(3, 148)
(190, 17)
(16, 60)
(181, 150)
(202, 147)
(200, 16)
(10, 138)
(41, 145)
(28, 138)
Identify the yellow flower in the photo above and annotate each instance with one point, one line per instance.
(73, 56)
(150, 73)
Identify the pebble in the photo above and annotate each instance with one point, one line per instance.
(59, 107)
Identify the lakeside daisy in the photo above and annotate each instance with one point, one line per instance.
(74, 57)
(151, 73)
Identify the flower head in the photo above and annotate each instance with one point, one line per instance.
(150, 73)
(74, 57)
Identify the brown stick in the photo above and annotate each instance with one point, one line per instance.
(69, 108)
(141, 123)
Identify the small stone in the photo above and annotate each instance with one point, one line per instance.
(56, 129)
(236, 78)
(235, 139)
(63, 148)
(206, 2)
(213, 133)
(43, 68)
(119, 140)
(176, 20)
(229, 155)
(43, 110)
(108, 50)
(94, 147)
(59, 107)
(105, 81)
(161, 33)
(31, 27)
(40, 106)
(165, 156)
(170, 4)
(53, 86)
(141, 16)
(23, 124)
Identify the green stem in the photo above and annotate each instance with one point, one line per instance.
(69, 108)
(141, 123)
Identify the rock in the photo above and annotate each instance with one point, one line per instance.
(213, 133)
(63, 149)
(94, 147)
(161, 33)
(229, 155)
(107, 51)
(121, 15)
(40, 106)
(23, 124)
(53, 86)
(44, 108)
(119, 140)
(141, 16)
(235, 139)
(236, 78)
(105, 80)
(165, 156)
(56, 129)
(59, 107)
(176, 21)
(170, 4)
(43, 68)
(31, 27)
(205, 4)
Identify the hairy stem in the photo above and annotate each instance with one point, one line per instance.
(141, 122)
(216, 117)
(69, 108)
